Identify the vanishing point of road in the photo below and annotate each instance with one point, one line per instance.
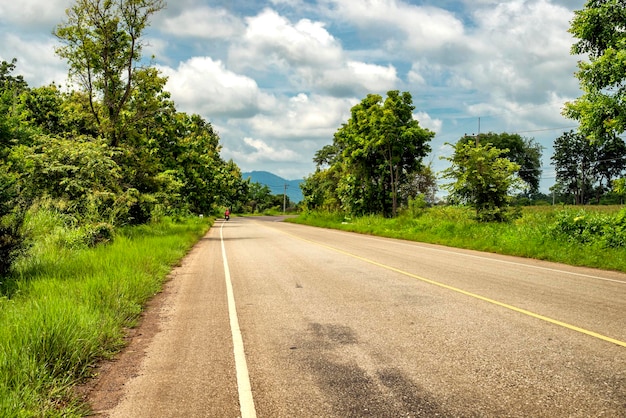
(271, 319)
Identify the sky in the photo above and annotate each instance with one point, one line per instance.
(277, 78)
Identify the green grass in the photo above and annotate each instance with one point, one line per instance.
(66, 307)
(534, 235)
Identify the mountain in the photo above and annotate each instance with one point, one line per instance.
(276, 184)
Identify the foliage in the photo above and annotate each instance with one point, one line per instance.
(65, 308)
(102, 44)
(372, 157)
(584, 168)
(115, 153)
(482, 179)
(603, 230)
(12, 204)
(525, 152)
(599, 28)
(420, 184)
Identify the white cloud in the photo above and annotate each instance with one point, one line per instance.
(420, 28)
(202, 85)
(34, 13)
(258, 151)
(272, 42)
(36, 60)
(426, 121)
(520, 50)
(204, 23)
(304, 117)
(352, 78)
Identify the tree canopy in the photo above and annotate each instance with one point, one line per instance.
(525, 152)
(103, 41)
(483, 179)
(587, 169)
(376, 152)
(601, 32)
(114, 152)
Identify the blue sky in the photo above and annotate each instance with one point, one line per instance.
(277, 78)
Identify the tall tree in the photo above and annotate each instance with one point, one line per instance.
(103, 44)
(483, 179)
(12, 205)
(403, 143)
(585, 168)
(573, 160)
(601, 31)
(379, 147)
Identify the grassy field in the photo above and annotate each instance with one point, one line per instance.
(66, 307)
(593, 236)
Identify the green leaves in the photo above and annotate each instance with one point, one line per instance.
(601, 31)
(102, 44)
(372, 156)
(483, 180)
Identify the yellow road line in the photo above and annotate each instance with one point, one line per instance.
(470, 294)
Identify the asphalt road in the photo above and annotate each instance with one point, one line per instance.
(323, 323)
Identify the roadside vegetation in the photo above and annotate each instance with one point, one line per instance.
(66, 306)
(101, 189)
(593, 236)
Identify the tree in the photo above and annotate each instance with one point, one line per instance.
(12, 204)
(523, 151)
(102, 44)
(422, 182)
(601, 34)
(483, 180)
(573, 158)
(585, 168)
(376, 151)
(401, 140)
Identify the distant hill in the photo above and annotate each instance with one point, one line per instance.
(276, 184)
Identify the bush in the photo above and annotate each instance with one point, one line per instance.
(591, 228)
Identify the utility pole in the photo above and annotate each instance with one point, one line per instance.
(285, 198)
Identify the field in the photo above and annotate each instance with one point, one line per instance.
(593, 236)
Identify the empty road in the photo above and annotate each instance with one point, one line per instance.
(271, 319)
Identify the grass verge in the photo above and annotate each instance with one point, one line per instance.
(65, 308)
(569, 235)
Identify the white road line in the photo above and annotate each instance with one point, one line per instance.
(246, 402)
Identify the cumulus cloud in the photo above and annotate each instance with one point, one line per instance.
(272, 42)
(33, 57)
(204, 23)
(257, 151)
(304, 117)
(402, 25)
(202, 85)
(539, 29)
(308, 55)
(34, 13)
(426, 121)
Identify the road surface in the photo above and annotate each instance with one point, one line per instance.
(272, 319)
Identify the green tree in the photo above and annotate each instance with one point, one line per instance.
(483, 179)
(422, 182)
(12, 134)
(103, 41)
(79, 176)
(376, 152)
(586, 169)
(523, 151)
(601, 34)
